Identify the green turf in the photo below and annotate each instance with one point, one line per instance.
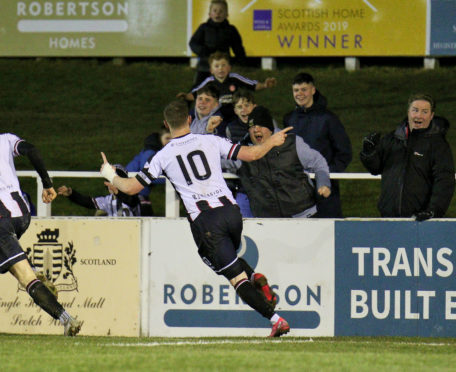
(55, 353)
(74, 108)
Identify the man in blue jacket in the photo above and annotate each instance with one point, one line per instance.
(321, 130)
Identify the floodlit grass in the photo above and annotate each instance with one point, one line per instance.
(74, 108)
(55, 353)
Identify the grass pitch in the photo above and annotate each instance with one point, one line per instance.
(56, 353)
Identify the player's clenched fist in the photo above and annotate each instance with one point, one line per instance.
(48, 195)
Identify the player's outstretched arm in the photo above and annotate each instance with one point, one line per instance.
(130, 186)
(252, 153)
(29, 150)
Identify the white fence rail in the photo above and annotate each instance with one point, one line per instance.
(172, 200)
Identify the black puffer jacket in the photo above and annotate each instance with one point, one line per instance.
(417, 170)
(276, 184)
(213, 36)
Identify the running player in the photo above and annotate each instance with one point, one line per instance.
(192, 163)
(14, 221)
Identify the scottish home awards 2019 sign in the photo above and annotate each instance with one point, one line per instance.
(93, 28)
(325, 27)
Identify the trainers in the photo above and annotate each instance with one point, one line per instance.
(43, 279)
(261, 284)
(280, 328)
(72, 327)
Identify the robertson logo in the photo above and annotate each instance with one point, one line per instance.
(56, 262)
(201, 305)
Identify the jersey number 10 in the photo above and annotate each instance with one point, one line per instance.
(196, 173)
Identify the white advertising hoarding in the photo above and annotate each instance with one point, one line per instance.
(186, 298)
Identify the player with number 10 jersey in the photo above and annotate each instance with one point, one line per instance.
(194, 173)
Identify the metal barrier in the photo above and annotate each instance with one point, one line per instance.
(172, 200)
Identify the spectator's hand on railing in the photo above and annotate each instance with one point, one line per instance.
(324, 191)
(64, 191)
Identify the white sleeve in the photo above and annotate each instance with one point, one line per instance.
(227, 149)
(13, 141)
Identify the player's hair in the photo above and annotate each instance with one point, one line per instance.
(217, 56)
(303, 77)
(210, 90)
(219, 2)
(422, 97)
(176, 113)
(243, 94)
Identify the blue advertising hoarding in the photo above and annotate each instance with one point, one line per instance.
(443, 28)
(395, 278)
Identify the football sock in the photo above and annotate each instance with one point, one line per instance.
(274, 319)
(246, 267)
(253, 298)
(64, 317)
(44, 298)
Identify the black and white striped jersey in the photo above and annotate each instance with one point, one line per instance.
(12, 203)
(114, 207)
(192, 165)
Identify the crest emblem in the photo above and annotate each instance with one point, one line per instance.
(54, 260)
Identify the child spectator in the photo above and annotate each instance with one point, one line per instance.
(209, 115)
(217, 34)
(226, 81)
(238, 129)
(238, 132)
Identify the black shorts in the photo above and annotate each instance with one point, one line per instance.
(217, 233)
(11, 229)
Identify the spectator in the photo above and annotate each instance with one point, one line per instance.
(227, 82)
(217, 34)
(238, 132)
(416, 163)
(152, 144)
(116, 203)
(238, 129)
(278, 185)
(322, 131)
(209, 113)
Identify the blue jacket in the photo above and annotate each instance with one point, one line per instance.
(137, 164)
